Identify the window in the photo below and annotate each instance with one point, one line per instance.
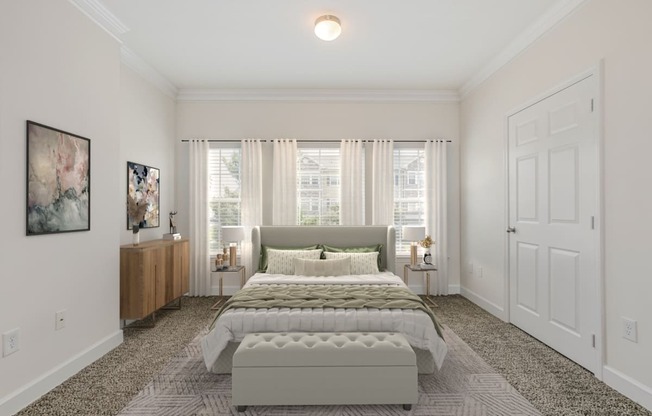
(409, 193)
(318, 188)
(223, 193)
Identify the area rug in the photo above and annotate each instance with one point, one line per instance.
(465, 386)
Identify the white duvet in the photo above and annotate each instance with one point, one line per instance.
(234, 324)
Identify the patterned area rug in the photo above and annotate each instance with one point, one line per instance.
(465, 385)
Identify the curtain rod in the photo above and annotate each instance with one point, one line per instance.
(316, 141)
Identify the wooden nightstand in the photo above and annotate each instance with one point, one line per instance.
(416, 268)
(231, 269)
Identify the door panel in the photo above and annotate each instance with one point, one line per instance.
(552, 159)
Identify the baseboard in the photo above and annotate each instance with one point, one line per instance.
(492, 308)
(629, 387)
(27, 394)
(453, 289)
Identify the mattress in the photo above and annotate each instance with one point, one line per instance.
(234, 324)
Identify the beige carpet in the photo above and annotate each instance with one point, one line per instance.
(465, 385)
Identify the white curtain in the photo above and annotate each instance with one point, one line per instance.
(200, 272)
(382, 210)
(284, 183)
(351, 185)
(251, 188)
(436, 211)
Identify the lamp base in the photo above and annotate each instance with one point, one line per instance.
(232, 255)
(413, 255)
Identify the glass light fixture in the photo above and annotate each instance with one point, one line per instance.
(327, 27)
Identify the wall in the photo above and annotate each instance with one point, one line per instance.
(601, 29)
(325, 121)
(147, 133)
(66, 76)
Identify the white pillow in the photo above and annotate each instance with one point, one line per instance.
(282, 261)
(361, 263)
(335, 267)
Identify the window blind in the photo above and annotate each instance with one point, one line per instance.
(223, 193)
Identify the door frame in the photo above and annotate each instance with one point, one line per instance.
(596, 71)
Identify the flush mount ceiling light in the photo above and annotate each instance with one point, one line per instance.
(327, 27)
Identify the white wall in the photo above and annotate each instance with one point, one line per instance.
(147, 133)
(57, 68)
(620, 34)
(325, 121)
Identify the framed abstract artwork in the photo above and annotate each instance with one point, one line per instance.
(143, 188)
(58, 181)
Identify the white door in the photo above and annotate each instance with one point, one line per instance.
(553, 201)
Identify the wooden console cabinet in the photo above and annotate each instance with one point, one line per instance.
(152, 274)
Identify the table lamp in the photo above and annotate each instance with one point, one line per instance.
(413, 234)
(232, 235)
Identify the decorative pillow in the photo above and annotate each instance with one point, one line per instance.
(262, 262)
(282, 261)
(361, 263)
(335, 267)
(355, 249)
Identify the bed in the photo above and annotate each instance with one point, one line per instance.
(232, 325)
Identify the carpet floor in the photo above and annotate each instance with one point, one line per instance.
(465, 385)
(553, 384)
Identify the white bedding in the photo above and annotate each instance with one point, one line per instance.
(234, 324)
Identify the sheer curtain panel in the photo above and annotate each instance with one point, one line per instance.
(284, 182)
(200, 272)
(351, 188)
(252, 196)
(382, 211)
(436, 209)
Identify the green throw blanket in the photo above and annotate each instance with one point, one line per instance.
(326, 296)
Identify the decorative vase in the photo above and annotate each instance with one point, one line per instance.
(136, 234)
(427, 257)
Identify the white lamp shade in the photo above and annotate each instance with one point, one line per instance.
(413, 233)
(327, 27)
(232, 234)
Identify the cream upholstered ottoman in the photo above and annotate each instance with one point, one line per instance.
(324, 368)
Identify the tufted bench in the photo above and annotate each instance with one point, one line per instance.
(324, 368)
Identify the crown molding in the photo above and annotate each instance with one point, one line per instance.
(432, 96)
(99, 14)
(544, 24)
(138, 65)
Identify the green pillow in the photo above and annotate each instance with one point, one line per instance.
(355, 249)
(262, 261)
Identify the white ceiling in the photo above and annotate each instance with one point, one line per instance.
(385, 44)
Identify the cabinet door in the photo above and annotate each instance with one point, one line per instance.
(184, 266)
(162, 275)
(137, 277)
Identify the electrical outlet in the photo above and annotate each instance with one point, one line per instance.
(10, 342)
(60, 320)
(629, 329)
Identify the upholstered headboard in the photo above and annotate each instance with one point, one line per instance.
(340, 236)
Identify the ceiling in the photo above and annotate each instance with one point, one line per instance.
(385, 44)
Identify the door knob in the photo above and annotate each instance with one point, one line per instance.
(511, 230)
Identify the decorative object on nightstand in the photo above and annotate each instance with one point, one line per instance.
(426, 243)
(413, 234)
(232, 235)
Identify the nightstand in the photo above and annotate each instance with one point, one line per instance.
(417, 268)
(230, 269)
